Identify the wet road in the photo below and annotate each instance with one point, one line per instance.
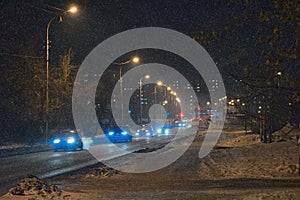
(49, 163)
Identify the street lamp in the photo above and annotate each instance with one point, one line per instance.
(72, 10)
(134, 60)
(141, 86)
(279, 74)
(159, 83)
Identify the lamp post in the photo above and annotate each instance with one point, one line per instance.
(159, 83)
(134, 60)
(279, 74)
(141, 86)
(72, 10)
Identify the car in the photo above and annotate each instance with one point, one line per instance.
(164, 130)
(67, 140)
(184, 123)
(118, 134)
(145, 130)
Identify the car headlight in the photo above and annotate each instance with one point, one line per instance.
(167, 131)
(124, 133)
(137, 133)
(111, 133)
(56, 141)
(71, 140)
(159, 130)
(147, 133)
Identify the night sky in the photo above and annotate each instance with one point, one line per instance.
(24, 22)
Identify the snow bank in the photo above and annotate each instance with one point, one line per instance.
(239, 141)
(288, 132)
(103, 171)
(32, 185)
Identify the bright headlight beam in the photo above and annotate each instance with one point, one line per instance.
(71, 140)
(167, 131)
(111, 133)
(56, 141)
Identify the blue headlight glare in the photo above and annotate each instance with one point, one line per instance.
(124, 133)
(111, 133)
(71, 140)
(159, 130)
(167, 131)
(56, 141)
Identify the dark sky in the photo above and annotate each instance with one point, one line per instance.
(23, 26)
(23, 22)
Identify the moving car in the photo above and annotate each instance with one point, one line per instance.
(119, 134)
(67, 140)
(164, 130)
(184, 123)
(145, 130)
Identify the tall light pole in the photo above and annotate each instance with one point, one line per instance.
(72, 10)
(134, 60)
(279, 74)
(159, 83)
(141, 90)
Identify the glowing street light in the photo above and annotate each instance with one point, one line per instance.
(72, 10)
(279, 73)
(141, 86)
(134, 60)
(159, 83)
(147, 76)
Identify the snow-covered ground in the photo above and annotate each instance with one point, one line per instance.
(239, 167)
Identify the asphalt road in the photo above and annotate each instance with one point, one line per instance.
(42, 164)
(49, 163)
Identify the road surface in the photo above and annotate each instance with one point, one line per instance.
(49, 163)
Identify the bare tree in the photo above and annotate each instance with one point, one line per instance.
(256, 48)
